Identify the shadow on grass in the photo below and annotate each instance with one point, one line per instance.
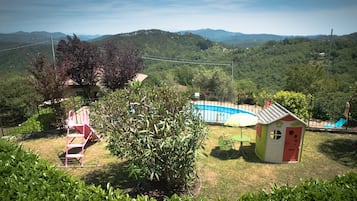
(225, 154)
(249, 153)
(343, 151)
(117, 175)
(114, 173)
(42, 134)
(75, 150)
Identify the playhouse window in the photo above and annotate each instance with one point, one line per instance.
(275, 134)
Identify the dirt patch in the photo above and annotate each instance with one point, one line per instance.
(266, 172)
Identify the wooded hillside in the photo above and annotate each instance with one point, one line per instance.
(323, 67)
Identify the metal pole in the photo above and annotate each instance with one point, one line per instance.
(53, 54)
(329, 56)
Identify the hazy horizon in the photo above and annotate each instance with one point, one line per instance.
(101, 17)
(84, 34)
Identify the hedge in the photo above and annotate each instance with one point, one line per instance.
(341, 188)
(24, 176)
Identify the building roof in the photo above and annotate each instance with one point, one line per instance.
(140, 77)
(274, 113)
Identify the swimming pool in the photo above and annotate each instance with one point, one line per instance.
(217, 113)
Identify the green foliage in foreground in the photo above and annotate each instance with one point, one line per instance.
(36, 123)
(156, 130)
(339, 188)
(25, 177)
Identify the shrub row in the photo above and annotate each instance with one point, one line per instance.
(341, 188)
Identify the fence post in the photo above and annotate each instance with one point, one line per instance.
(310, 112)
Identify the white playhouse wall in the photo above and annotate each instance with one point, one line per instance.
(275, 148)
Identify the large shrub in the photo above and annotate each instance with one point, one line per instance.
(156, 130)
(295, 102)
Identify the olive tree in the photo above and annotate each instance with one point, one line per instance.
(156, 130)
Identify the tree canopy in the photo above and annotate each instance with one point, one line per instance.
(48, 80)
(120, 65)
(81, 60)
(18, 99)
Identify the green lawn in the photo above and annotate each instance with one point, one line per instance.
(222, 174)
(324, 155)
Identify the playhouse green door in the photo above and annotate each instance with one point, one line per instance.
(292, 144)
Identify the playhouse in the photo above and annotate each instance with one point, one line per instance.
(279, 135)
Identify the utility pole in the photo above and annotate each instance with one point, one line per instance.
(53, 54)
(232, 72)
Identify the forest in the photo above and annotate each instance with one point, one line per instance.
(324, 69)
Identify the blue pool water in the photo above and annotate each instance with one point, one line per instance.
(217, 113)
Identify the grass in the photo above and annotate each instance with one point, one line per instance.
(223, 174)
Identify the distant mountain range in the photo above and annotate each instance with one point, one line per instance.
(235, 38)
(246, 40)
(220, 36)
(38, 37)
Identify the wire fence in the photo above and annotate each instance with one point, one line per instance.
(217, 111)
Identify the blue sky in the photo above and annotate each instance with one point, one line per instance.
(283, 17)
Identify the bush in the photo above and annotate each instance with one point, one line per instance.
(25, 177)
(341, 188)
(296, 103)
(156, 130)
(37, 123)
